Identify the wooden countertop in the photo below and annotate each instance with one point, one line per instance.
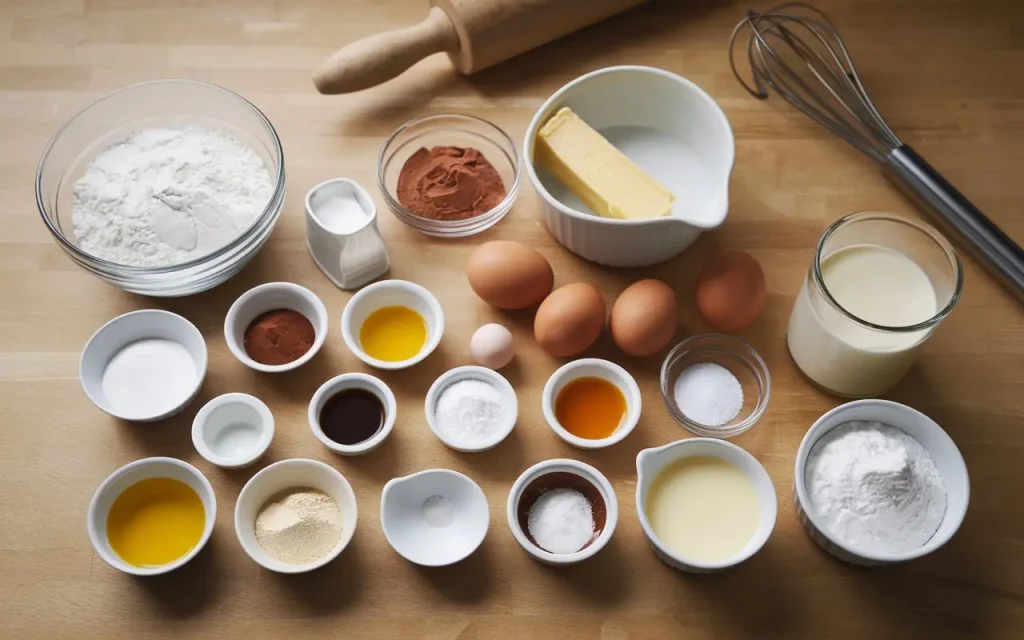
(945, 73)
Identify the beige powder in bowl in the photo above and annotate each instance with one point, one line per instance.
(299, 525)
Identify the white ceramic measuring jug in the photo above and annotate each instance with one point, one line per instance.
(341, 233)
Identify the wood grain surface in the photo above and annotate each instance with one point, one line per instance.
(946, 73)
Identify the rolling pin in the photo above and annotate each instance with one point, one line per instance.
(475, 34)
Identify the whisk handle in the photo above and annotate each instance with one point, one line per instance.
(997, 251)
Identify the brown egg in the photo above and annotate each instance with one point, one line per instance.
(509, 275)
(644, 317)
(731, 291)
(570, 319)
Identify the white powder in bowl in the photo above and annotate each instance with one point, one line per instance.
(164, 196)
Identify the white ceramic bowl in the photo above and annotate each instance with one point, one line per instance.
(392, 293)
(586, 474)
(269, 297)
(937, 442)
(132, 327)
(233, 430)
(353, 381)
(649, 464)
(288, 474)
(673, 130)
(125, 477)
(596, 368)
(459, 374)
(460, 520)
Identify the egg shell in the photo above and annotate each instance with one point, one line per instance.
(570, 319)
(644, 317)
(509, 275)
(491, 346)
(731, 291)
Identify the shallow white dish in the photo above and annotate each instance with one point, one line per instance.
(667, 125)
(471, 372)
(287, 474)
(649, 464)
(233, 430)
(122, 331)
(932, 437)
(125, 477)
(353, 381)
(402, 507)
(269, 297)
(587, 473)
(596, 368)
(392, 293)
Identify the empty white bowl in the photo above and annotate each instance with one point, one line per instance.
(270, 297)
(593, 368)
(233, 430)
(482, 374)
(435, 517)
(552, 474)
(392, 293)
(132, 327)
(650, 462)
(289, 474)
(126, 476)
(340, 383)
(932, 437)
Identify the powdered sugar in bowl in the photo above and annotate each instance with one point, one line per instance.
(471, 408)
(185, 239)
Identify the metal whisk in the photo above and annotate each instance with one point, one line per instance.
(796, 52)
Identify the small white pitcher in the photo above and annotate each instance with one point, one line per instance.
(344, 243)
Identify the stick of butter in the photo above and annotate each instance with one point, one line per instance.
(608, 182)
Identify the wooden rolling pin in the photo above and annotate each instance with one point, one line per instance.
(475, 34)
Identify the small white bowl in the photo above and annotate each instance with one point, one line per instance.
(463, 510)
(482, 374)
(586, 474)
(233, 430)
(123, 330)
(932, 437)
(288, 474)
(270, 297)
(353, 381)
(650, 462)
(593, 368)
(388, 293)
(125, 477)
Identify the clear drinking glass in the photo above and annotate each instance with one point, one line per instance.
(848, 355)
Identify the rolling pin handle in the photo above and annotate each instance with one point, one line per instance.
(379, 58)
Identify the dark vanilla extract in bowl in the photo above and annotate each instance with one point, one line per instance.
(352, 416)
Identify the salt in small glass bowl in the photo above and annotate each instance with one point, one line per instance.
(735, 355)
(449, 129)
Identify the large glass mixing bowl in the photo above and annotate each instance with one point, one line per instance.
(114, 117)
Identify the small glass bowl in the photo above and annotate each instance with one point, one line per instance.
(449, 129)
(736, 356)
(157, 103)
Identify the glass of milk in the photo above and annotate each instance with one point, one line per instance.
(877, 287)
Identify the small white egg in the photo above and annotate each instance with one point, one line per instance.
(491, 346)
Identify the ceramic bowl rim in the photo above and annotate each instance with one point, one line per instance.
(759, 538)
(587, 472)
(535, 124)
(470, 372)
(631, 393)
(474, 487)
(347, 381)
(433, 336)
(320, 323)
(133, 316)
(818, 429)
(346, 535)
(115, 562)
(265, 427)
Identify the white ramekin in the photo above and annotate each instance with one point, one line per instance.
(340, 383)
(596, 368)
(269, 297)
(387, 293)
